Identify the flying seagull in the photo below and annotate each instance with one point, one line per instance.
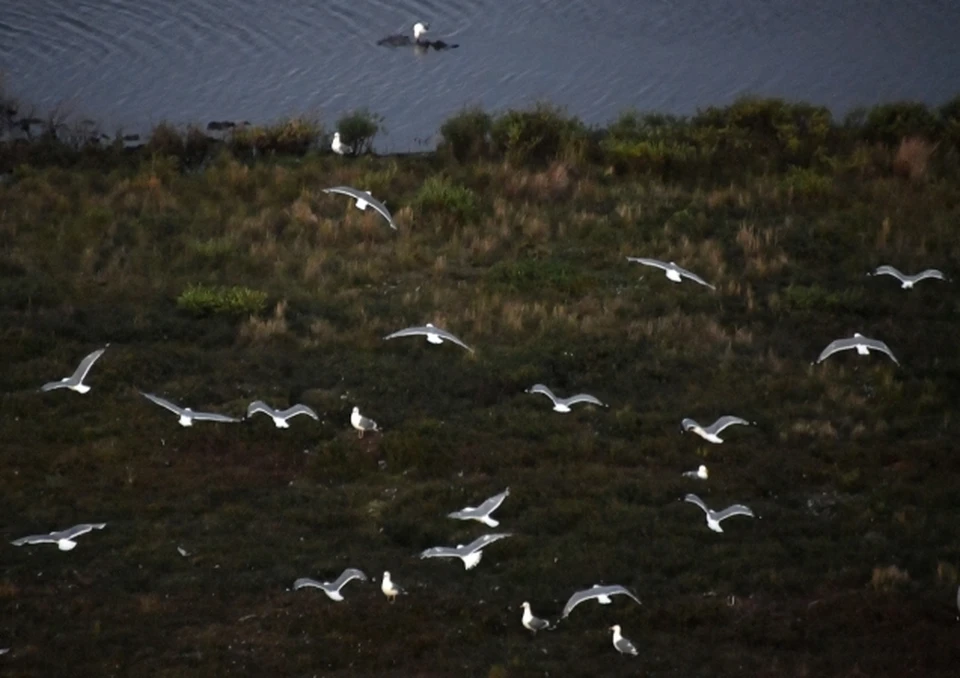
(390, 590)
(280, 417)
(364, 200)
(714, 518)
(622, 645)
(563, 404)
(469, 554)
(336, 145)
(434, 335)
(331, 588)
(64, 539)
(482, 512)
(188, 416)
(701, 473)
(75, 381)
(531, 622)
(601, 593)
(674, 272)
(908, 281)
(710, 432)
(362, 423)
(863, 345)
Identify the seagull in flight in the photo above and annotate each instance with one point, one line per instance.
(280, 417)
(908, 281)
(563, 404)
(188, 416)
(390, 590)
(75, 381)
(863, 345)
(600, 593)
(469, 554)
(531, 622)
(331, 588)
(701, 473)
(710, 433)
(482, 512)
(714, 518)
(674, 272)
(64, 539)
(364, 200)
(622, 645)
(434, 335)
(362, 423)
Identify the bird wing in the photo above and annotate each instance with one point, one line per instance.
(735, 510)
(347, 190)
(578, 598)
(688, 424)
(35, 539)
(260, 406)
(930, 273)
(86, 364)
(366, 197)
(878, 345)
(889, 270)
(493, 503)
(50, 385)
(726, 421)
(694, 499)
(616, 589)
(299, 409)
(835, 346)
(347, 575)
(693, 276)
(625, 646)
(367, 423)
(540, 388)
(449, 336)
(213, 416)
(481, 542)
(582, 398)
(77, 530)
(656, 263)
(162, 402)
(440, 552)
(412, 331)
(307, 582)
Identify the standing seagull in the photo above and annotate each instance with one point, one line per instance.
(64, 539)
(563, 404)
(908, 281)
(674, 272)
(364, 200)
(362, 423)
(469, 554)
(863, 345)
(701, 473)
(715, 517)
(601, 593)
(530, 622)
(390, 590)
(331, 588)
(336, 145)
(75, 381)
(280, 417)
(710, 432)
(188, 416)
(482, 512)
(434, 335)
(622, 645)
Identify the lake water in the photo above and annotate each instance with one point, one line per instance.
(133, 63)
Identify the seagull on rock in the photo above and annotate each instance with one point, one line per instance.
(622, 645)
(563, 404)
(908, 281)
(714, 518)
(469, 554)
(434, 335)
(331, 588)
(600, 593)
(64, 539)
(531, 622)
(188, 416)
(701, 473)
(390, 590)
(280, 417)
(710, 432)
(75, 381)
(863, 345)
(674, 272)
(362, 423)
(482, 512)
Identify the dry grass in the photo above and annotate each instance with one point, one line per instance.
(912, 158)
(256, 330)
(890, 578)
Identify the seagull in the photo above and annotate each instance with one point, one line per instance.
(715, 517)
(563, 404)
(336, 145)
(533, 623)
(280, 417)
(75, 381)
(601, 593)
(674, 272)
(908, 281)
(362, 423)
(622, 645)
(710, 432)
(434, 335)
(700, 473)
(469, 554)
(64, 539)
(364, 200)
(390, 590)
(863, 345)
(187, 416)
(482, 512)
(331, 588)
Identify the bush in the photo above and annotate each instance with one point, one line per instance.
(440, 195)
(540, 136)
(219, 300)
(889, 123)
(290, 137)
(467, 135)
(358, 129)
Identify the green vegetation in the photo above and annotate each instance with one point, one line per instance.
(220, 273)
(358, 129)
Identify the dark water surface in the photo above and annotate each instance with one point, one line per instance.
(132, 64)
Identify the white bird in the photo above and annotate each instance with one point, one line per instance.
(64, 539)
(863, 345)
(714, 518)
(710, 432)
(469, 554)
(188, 416)
(362, 423)
(600, 593)
(390, 590)
(622, 645)
(75, 381)
(563, 404)
(336, 145)
(331, 588)
(280, 417)
(674, 272)
(364, 200)
(531, 622)
(700, 473)
(434, 335)
(908, 281)
(482, 512)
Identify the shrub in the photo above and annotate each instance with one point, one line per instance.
(290, 137)
(440, 195)
(889, 123)
(219, 300)
(467, 134)
(357, 130)
(165, 139)
(540, 136)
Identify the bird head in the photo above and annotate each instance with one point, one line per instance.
(356, 410)
(615, 628)
(525, 605)
(419, 29)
